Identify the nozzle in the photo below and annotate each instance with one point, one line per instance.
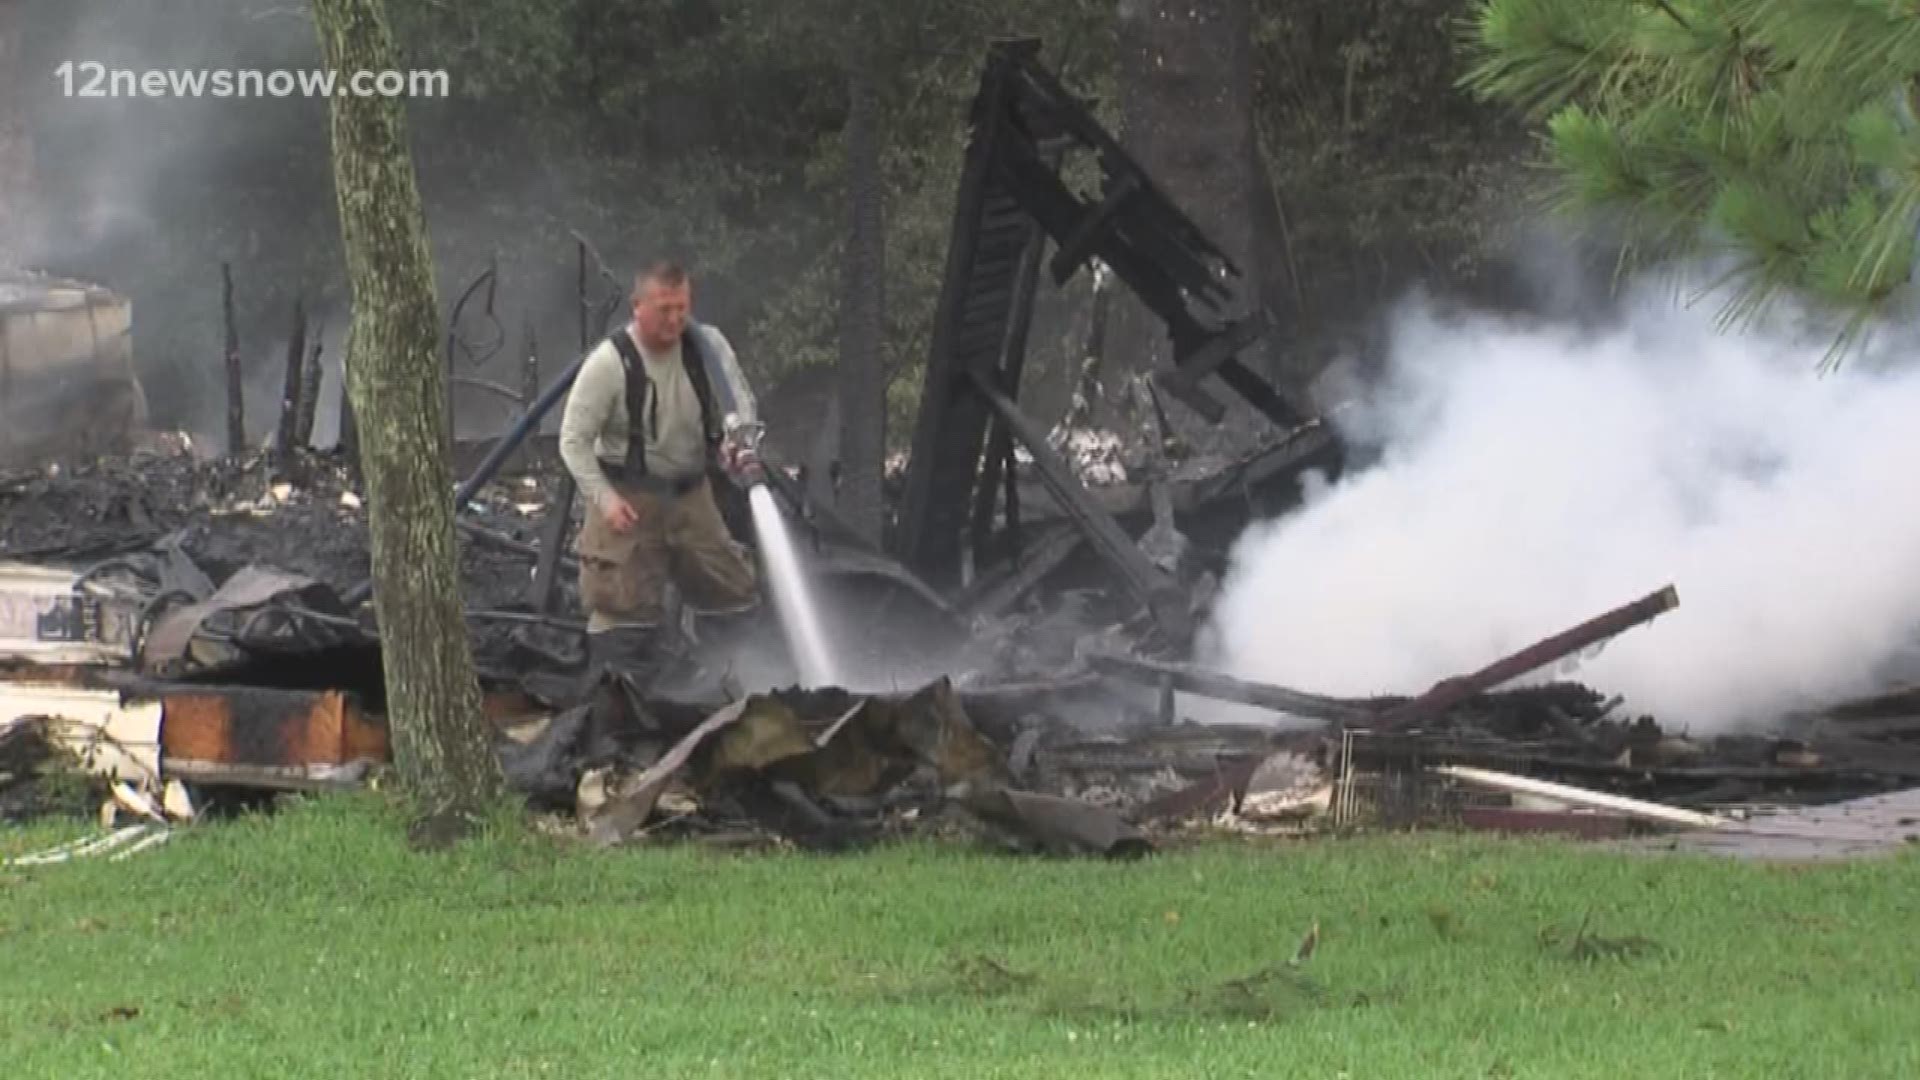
(745, 437)
(744, 434)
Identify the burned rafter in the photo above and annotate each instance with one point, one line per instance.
(1012, 199)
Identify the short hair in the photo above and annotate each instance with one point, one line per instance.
(665, 272)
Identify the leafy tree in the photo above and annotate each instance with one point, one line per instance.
(396, 386)
(1779, 134)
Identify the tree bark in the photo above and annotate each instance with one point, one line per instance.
(395, 383)
(863, 387)
(17, 224)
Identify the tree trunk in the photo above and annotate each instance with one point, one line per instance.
(863, 389)
(1186, 77)
(17, 225)
(394, 382)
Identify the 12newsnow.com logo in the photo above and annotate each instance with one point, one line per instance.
(92, 79)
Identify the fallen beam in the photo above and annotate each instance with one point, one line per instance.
(1160, 593)
(1450, 692)
(1001, 588)
(551, 553)
(1197, 680)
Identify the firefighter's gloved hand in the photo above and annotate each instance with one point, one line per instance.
(742, 464)
(740, 453)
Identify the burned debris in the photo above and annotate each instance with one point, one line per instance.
(180, 628)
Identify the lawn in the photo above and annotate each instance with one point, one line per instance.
(314, 943)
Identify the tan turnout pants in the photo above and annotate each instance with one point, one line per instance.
(682, 538)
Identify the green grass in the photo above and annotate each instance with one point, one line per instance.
(315, 944)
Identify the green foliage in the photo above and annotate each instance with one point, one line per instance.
(1780, 133)
(714, 134)
(1381, 173)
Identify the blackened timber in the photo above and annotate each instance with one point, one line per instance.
(998, 463)
(1217, 349)
(1003, 586)
(1011, 189)
(1077, 245)
(1450, 692)
(553, 541)
(236, 380)
(1192, 256)
(1059, 211)
(986, 494)
(290, 391)
(1190, 394)
(1260, 394)
(1164, 598)
(951, 427)
(1216, 684)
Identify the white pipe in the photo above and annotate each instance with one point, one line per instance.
(1594, 800)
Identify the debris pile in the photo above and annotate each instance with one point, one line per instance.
(181, 626)
(174, 679)
(306, 516)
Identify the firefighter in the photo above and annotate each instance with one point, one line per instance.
(654, 409)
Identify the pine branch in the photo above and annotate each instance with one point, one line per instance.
(1663, 5)
(1867, 46)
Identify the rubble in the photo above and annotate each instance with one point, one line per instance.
(171, 675)
(177, 626)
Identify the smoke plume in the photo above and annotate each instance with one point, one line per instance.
(1532, 476)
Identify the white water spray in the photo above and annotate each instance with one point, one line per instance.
(799, 612)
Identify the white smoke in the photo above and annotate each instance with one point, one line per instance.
(1531, 477)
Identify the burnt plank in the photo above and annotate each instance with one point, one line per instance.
(1162, 596)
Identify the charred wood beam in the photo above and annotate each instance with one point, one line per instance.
(1059, 211)
(1163, 597)
(1177, 242)
(986, 492)
(1230, 778)
(1198, 680)
(997, 468)
(486, 279)
(309, 393)
(1379, 751)
(1077, 246)
(553, 543)
(996, 591)
(236, 378)
(1450, 692)
(1260, 394)
(497, 539)
(1219, 348)
(952, 420)
(1218, 353)
(1203, 404)
(290, 392)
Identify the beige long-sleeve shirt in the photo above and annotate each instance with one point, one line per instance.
(594, 425)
